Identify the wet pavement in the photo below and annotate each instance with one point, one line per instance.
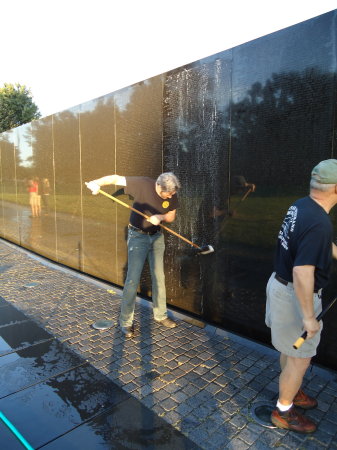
(67, 385)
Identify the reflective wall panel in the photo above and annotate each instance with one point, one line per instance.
(241, 129)
(283, 114)
(39, 233)
(68, 187)
(139, 147)
(98, 158)
(10, 208)
(197, 148)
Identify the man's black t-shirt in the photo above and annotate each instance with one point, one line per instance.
(147, 201)
(305, 238)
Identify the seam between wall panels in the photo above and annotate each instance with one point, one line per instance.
(115, 205)
(16, 183)
(56, 233)
(81, 247)
(334, 114)
(230, 132)
(162, 123)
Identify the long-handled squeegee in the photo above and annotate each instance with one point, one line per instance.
(303, 336)
(204, 250)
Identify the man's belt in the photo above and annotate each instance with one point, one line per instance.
(285, 282)
(138, 230)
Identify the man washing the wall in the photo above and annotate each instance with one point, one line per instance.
(158, 200)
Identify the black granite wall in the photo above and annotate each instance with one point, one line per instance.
(242, 129)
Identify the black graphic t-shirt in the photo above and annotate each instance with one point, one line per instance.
(147, 201)
(305, 238)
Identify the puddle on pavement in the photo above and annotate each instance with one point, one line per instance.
(10, 315)
(17, 336)
(34, 364)
(54, 398)
(49, 409)
(127, 425)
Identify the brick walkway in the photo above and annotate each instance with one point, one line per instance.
(202, 380)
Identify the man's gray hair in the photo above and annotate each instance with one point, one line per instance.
(314, 184)
(168, 182)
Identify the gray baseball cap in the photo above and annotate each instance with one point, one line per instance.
(325, 172)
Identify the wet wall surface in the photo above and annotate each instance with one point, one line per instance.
(242, 130)
(54, 399)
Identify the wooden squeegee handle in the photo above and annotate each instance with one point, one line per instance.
(302, 338)
(147, 217)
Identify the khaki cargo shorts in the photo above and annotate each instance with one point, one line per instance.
(284, 317)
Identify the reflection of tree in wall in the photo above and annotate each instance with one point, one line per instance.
(42, 148)
(127, 131)
(281, 129)
(55, 141)
(6, 154)
(7, 162)
(273, 135)
(139, 130)
(97, 139)
(61, 134)
(40, 137)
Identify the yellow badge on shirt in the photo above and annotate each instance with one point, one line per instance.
(165, 204)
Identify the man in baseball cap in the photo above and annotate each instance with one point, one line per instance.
(301, 270)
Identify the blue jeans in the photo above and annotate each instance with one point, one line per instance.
(140, 247)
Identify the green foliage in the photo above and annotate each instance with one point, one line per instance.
(16, 106)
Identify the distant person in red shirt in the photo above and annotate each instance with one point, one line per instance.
(34, 197)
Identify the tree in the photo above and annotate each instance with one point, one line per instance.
(16, 106)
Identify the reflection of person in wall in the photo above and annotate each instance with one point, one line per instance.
(239, 186)
(302, 265)
(34, 197)
(45, 192)
(158, 200)
(239, 183)
(220, 213)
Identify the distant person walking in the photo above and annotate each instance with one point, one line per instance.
(158, 200)
(34, 197)
(45, 193)
(302, 265)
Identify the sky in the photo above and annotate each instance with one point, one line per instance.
(70, 52)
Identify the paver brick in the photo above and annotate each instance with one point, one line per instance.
(172, 388)
(239, 420)
(189, 423)
(200, 383)
(205, 410)
(213, 388)
(169, 404)
(321, 436)
(248, 436)
(200, 370)
(238, 444)
(218, 440)
(172, 417)
(179, 396)
(184, 409)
